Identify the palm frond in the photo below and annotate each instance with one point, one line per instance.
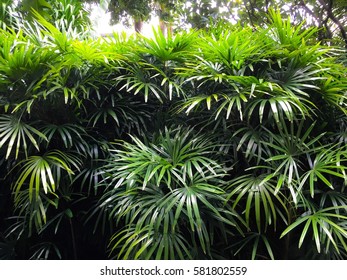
(258, 195)
(324, 226)
(168, 163)
(253, 243)
(43, 173)
(15, 135)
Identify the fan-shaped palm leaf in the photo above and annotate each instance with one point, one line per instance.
(15, 134)
(328, 163)
(256, 193)
(144, 243)
(323, 226)
(44, 172)
(252, 243)
(175, 156)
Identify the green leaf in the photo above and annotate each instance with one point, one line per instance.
(15, 132)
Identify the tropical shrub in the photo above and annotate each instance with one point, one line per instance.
(228, 143)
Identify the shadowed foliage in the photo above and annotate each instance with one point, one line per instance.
(221, 144)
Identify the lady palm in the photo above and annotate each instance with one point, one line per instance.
(221, 144)
(271, 101)
(166, 191)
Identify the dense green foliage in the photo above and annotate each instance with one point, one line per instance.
(328, 15)
(226, 143)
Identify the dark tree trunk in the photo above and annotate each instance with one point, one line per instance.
(328, 7)
(138, 25)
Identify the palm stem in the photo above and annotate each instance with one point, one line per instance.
(73, 240)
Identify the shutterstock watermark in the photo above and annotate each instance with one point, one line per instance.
(141, 271)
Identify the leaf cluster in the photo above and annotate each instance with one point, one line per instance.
(199, 145)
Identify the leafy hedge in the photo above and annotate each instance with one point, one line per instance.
(222, 144)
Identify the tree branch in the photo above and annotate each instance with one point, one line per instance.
(328, 9)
